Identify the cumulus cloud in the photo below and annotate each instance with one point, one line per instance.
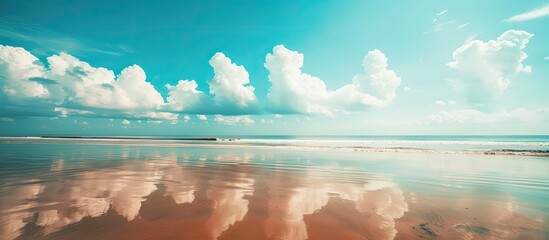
(530, 15)
(293, 91)
(71, 86)
(98, 88)
(230, 95)
(228, 85)
(233, 120)
(184, 97)
(18, 68)
(486, 68)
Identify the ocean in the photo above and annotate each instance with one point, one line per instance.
(274, 187)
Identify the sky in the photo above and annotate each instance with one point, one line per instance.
(274, 67)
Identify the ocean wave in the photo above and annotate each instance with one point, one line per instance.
(388, 142)
(375, 146)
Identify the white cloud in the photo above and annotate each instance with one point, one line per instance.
(227, 87)
(376, 79)
(202, 117)
(471, 38)
(184, 97)
(295, 92)
(278, 116)
(73, 87)
(158, 115)
(546, 58)
(233, 120)
(443, 25)
(442, 21)
(530, 15)
(126, 122)
(406, 89)
(186, 118)
(266, 121)
(154, 121)
(70, 86)
(462, 25)
(487, 67)
(228, 84)
(17, 69)
(141, 94)
(442, 103)
(435, 19)
(475, 116)
(460, 116)
(98, 88)
(442, 12)
(67, 111)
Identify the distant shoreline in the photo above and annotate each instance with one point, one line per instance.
(129, 138)
(209, 142)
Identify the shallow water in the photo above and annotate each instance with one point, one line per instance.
(127, 190)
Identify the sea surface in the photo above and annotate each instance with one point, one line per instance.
(274, 187)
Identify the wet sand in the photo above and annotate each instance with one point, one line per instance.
(121, 192)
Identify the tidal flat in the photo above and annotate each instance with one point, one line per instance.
(70, 189)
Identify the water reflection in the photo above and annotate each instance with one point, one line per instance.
(213, 192)
(229, 205)
(91, 194)
(379, 202)
(16, 210)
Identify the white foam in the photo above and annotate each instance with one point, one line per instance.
(395, 146)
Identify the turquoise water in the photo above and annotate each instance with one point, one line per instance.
(498, 144)
(66, 188)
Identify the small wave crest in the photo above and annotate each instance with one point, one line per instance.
(395, 146)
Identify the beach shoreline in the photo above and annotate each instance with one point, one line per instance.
(238, 143)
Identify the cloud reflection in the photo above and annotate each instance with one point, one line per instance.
(381, 201)
(229, 205)
(222, 189)
(15, 216)
(92, 194)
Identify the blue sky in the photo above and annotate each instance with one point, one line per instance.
(274, 67)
